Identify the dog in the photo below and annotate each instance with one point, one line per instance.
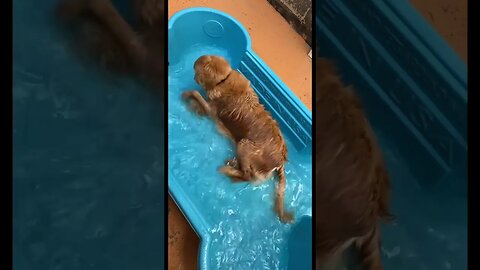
(100, 31)
(352, 182)
(234, 106)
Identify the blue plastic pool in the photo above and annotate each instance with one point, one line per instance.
(88, 155)
(414, 89)
(236, 223)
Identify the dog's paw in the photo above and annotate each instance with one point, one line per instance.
(233, 162)
(235, 175)
(287, 217)
(197, 108)
(186, 95)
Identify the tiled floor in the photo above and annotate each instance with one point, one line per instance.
(284, 51)
(450, 18)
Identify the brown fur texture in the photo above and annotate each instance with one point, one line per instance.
(105, 36)
(235, 107)
(352, 184)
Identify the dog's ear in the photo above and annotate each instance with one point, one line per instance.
(214, 70)
(206, 75)
(209, 66)
(217, 67)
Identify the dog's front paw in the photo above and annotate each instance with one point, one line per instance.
(194, 107)
(186, 95)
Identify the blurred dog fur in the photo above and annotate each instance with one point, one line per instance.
(352, 183)
(236, 109)
(100, 32)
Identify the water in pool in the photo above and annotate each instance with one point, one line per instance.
(246, 234)
(430, 232)
(88, 187)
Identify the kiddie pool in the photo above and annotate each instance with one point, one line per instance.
(236, 222)
(414, 89)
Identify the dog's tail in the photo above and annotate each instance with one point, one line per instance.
(369, 249)
(286, 217)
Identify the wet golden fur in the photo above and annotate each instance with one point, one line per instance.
(352, 184)
(104, 36)
(235, 107)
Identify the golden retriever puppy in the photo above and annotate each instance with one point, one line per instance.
(101, 32)
(352, 184)
(234, 106)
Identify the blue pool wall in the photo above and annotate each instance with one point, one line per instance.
(412, 83)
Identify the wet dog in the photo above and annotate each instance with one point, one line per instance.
(352, 183)
(100, 32)
(234, 106)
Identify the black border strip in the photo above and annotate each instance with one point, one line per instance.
(472, 184)
(9, 123)
(314, 130)
(165, 137)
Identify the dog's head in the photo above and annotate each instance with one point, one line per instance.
(210, 70)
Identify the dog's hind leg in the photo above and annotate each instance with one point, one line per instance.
(240, 167)
(247, 151)
(235, 174)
